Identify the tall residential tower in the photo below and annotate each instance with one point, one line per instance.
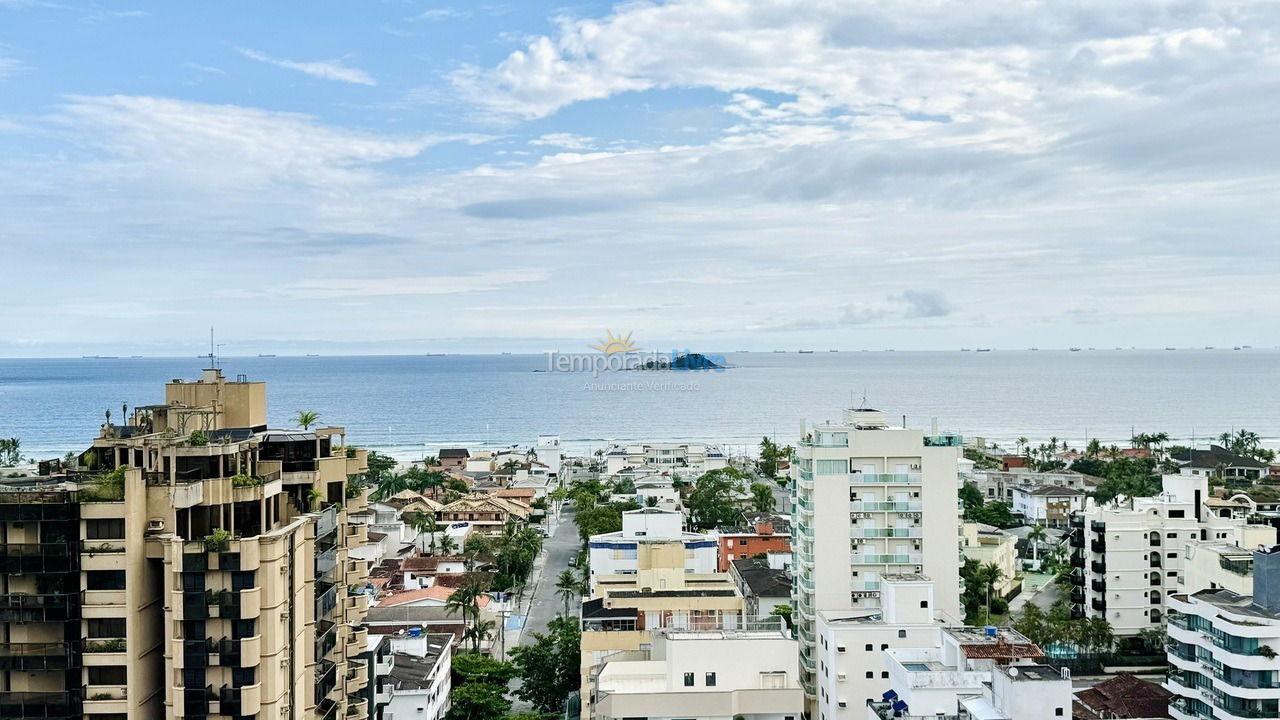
(870, 500)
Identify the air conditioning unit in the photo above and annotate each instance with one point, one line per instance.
(156, 524)
(842, 703)
(839, 648)
(919, 568)
(841, 677)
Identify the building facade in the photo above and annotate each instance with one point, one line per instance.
(870, 500)
(1128, 555)
(190, 564)
(682, 458)
(618, 553)
(1223, 647)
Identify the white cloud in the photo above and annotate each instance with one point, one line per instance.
(323, 69)
(8, 66)
(438, 14)
(567, 141)
(415, 285)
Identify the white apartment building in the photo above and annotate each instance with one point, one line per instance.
(703, 675)
(851, 645)
(870, 500)
(1136, 551)
(973, 673)
(550, 453)
(1216, 565)
(998, 485)
(1223, 649)
(418, 678)
(617, 553)
(1047, 505)
(683, 458)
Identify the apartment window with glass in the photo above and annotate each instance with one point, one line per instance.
(106, 627)
(832, 467)
(243, 676)
(711, 679)
(105, 529)
(108, 675)
(243, 579)
(104, 580)
(688, 679)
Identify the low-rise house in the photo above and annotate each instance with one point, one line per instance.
(998, 485)
(988, 544)
(760, 538)
(453, 458)
(1221, 462)
(1122, 697)
(485, 513)
(706, 674)
(763, 588)
(643, 530)
(418, 680)
(480, 461)
(1047, 505)
(684, 458)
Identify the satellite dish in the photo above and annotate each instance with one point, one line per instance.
(1013, 672)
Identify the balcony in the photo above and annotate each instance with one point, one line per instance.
(1076, 521)
(874, 506)
(1099, 604)
(1098, 566)
(1077, 595)
(1077, 612)
(1098, 585)
(326, 601)
(1077, 578)
(1097, 526)
(43, 705)
(326, 521)
(882, 532)
(1099, 545)
(195, 701)
(911, 559)
(1077, 539)
(195, 653)
(36, 656)
(326, 679)
(944, 440)
(326, 561)
(1077, 560)
(38, 558)
(24, 607)
(885, 478)
(105, 699)
(326, 638)
(382, 693)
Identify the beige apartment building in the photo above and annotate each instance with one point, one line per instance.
(625, 610)
(192, 563)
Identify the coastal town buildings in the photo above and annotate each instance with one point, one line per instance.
(1128, 555)
(763, 588)
(618, 553)
(1217, 565)
(870, 500)
(550, 453)
(1223, 648)
(1122, 697)
(684, 458)
(717, 673)
(191, 563)
(998, 485)
(1220, 462)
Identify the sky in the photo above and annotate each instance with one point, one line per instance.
(409, 177)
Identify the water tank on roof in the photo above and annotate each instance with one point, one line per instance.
(990, 630)
(415, 632)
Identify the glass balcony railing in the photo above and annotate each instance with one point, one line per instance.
(885, 506)
(885, 478)
(907, 559)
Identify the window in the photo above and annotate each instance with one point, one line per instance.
(832, 467)
(884, 674)
(884, 646)
(106, 529)
(243, 579)
(711, 679)
(107, 675)
(688, 679)
(1171, 536)
(870, 647)
(193, 677)
(870, 675)
(924, 603)
(1177, 513)
(106, 627)
(104, 580)
(241, 629)
(243, 676)
(1172, 555)
(902, 633)
(1057, 712)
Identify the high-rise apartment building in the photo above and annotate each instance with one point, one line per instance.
(1129, 555)
(870, 500)
(192, 563)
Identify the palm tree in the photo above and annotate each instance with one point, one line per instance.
(1022, 443)
(306, 418)
(1034, 537)
(447, 544)
(479, 631)
(1093, 449)
(466, 600)
(425, 522)
(567, 587)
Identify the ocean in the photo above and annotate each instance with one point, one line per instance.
(411, 405)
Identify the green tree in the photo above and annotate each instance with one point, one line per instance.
(567, 588)
(762, 497)
(447, 544)
(466, 600)
(1034, 538)
(769, 456)
(306, 418)
(478, 701)
(425, 522)
(711, 502)
(784, 612)
(549, 666)
(970, 496)
(477, 668)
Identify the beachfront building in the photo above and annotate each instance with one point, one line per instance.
(1220, 462)
(191, 563)
(1047, 505)
(691, 459)
(1217, 565)
(1129, 554)
(989, 545)
(989, 673)
(484, 513)
(703, 674)
(618, 553)
(625, 610)
(550, 453)
(851, 645)
(1223, 649)
(870, 500)
(998, 485)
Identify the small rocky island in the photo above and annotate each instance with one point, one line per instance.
(686, 361)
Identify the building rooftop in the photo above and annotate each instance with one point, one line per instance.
(1235, 603)
(762, 580)
(410, 672)
(1032, 673)
(1123, 696)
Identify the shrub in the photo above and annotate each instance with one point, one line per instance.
(198, 438)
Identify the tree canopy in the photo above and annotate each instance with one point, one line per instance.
(549, 666)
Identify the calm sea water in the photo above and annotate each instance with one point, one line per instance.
(409, 405)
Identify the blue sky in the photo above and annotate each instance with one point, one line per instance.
(425, 177)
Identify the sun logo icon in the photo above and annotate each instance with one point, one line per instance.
(611, 344)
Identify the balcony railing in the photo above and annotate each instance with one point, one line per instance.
(881, 532)
(1098, 585)
(43, 705)
(1098, 566)
(35, 558)
(36, 656)
(875, 506)
(326, 602)
(327, 522)
(1099, 545)
(1099, 604)
(47, 607)
(885, 478)
(912, 559)
(325, 561)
